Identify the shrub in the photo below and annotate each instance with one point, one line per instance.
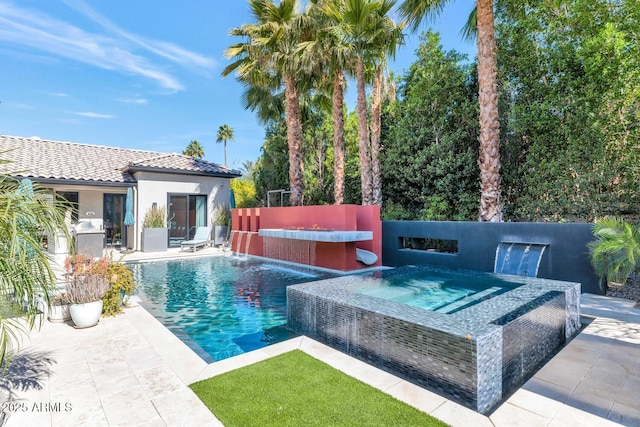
(615, 253)
(121, 284)
(155, 217)
(221, 215)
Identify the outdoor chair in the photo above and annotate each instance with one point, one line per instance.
(202, 238)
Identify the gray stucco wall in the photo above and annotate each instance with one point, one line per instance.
(565, 258)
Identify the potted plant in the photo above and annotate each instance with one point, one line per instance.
(155, 231)
(222, 218)
(59, 308)
(85, 287)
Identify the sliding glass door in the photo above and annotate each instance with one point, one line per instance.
(186, 212)
(113, 220)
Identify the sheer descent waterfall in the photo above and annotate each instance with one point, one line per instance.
(520, 259)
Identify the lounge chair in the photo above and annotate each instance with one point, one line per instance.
(202, 238)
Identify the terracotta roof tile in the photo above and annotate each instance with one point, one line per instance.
(55, 160)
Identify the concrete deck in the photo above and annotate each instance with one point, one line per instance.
(131, 371)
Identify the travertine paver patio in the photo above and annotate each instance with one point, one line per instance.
(131, 371)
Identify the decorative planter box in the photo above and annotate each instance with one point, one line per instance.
(220, 234)
(154, 239)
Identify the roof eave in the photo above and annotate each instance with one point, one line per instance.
(133, 169)
(69, 181)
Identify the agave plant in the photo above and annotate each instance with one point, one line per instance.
(615, 253)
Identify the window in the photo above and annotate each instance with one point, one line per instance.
(70, 198)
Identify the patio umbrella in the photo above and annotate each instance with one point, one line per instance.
(128, 215)
(25, 189)
(232, 200)
(128, 218)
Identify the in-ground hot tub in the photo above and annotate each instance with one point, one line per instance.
(476, 348)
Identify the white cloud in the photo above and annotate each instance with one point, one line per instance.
(139, 101)
(112, 52)
(167, 50)
(58, 94)
(18, 105)
(93, 115)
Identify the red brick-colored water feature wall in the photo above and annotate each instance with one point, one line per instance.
(332, 236)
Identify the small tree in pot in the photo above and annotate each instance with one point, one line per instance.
(155, 231)
(221, 221)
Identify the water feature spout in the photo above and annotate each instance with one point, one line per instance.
(246, 247)
(520, 259)
(239, 244)
(231, 234)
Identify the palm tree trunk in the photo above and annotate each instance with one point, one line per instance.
(225, 152)
(489, 160)
(363, 137)
(338, 137)
(376, 113)
(294, 140)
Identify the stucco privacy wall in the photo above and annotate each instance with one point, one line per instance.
(565, 258)
(155, 187)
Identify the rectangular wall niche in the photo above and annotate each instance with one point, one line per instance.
(429, 245)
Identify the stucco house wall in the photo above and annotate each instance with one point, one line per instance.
(155, 188)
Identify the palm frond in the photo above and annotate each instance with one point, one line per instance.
(615, 252)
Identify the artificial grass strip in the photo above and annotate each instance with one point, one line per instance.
(294, 389)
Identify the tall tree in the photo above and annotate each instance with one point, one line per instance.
(225, 133)
(194, 149)
(415, 11)
(390, 38)
(331, 52)
(366, 24)
(271, 49)
(429, 164)
(569, 108)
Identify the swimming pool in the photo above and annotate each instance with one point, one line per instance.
(221, 306)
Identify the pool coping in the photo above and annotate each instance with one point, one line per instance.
(546, 399)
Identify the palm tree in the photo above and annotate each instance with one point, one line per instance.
(615, 253)
(415, 11)
(366, 26)
(194, 149)
(270, 52)
(225, 133)
(25, 270)
(249, 168)
(333, 55)
(390, 37)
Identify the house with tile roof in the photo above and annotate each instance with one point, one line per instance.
(95, 179)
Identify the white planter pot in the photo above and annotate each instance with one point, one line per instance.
(59, 313)
(86, 315)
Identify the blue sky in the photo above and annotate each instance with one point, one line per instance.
(141, 74)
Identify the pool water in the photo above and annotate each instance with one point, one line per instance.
(221, 306)
(441, 291)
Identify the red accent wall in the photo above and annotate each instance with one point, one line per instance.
(338, 256)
